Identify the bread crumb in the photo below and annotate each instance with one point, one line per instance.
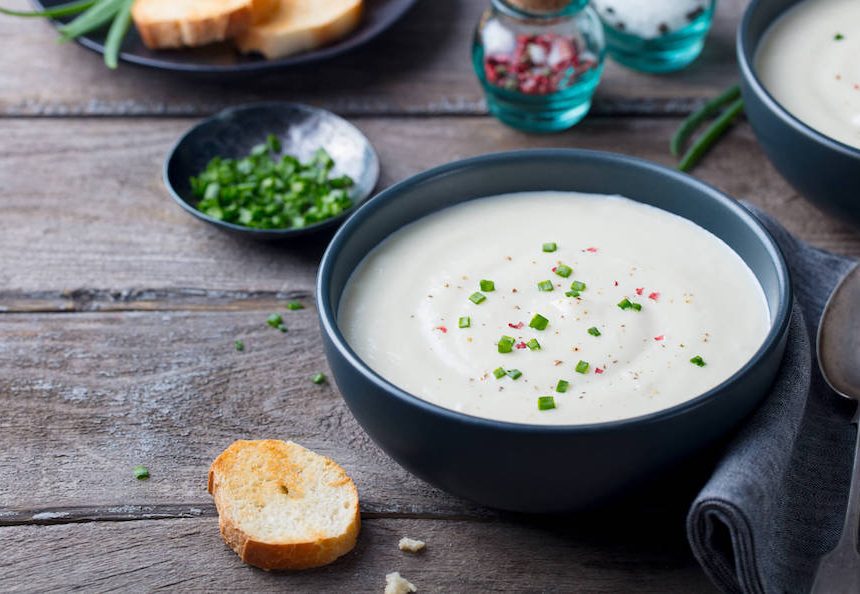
(396, 584)
(410, 545)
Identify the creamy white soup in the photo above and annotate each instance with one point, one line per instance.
(809, 60)
(554, 308)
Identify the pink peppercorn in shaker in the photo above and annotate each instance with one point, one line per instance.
(539, 61)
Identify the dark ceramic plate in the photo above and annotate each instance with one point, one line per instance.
(547, 468)
(302, 130)
(222, 59)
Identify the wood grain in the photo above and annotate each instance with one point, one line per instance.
(421, 66)
(87, 397)
(500, 556)
(88, 225)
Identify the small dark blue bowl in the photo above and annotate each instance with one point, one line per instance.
(537, 468)
(302, 130)
(824, 170)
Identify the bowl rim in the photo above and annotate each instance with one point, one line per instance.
(746, 58)
(327, 315)
(253, 231)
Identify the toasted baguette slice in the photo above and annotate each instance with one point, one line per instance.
(281, 506)
(180, 23)
(301, 25)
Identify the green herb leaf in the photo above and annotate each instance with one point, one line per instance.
(295, 306)
(538, 322)
(545, 402)
(514, 374)
(627, 304)
(488, 286)
(697, 360)
(506, 344)
(116, 33)
(594, 331)
(239, 345)
(533, 344)
(499, 372)
(550, 247)
(578, 286)
(318, 378)
(562, 386)
(563, 270)
(477, 298)
(60, 10)
(839, 37)
(545, 286)
(464, 322)
(140, 472)
(277, 322)
(582, 367)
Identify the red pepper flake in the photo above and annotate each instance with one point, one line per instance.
(658, 338)
(521, 345)
(598, 370)
(655, 296)
(640, 290)
(616, 283)
(554, 268)
(442, 329)
(516, 326)
(593, 250)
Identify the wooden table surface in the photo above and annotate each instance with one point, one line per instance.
(120, 312)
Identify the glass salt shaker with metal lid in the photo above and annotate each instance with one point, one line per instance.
(655, 35)
(539, 61)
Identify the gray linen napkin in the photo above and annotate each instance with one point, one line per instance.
(776, 501)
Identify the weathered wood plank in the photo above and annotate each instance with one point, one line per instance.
(88, 225)
(87, 397)
(501, 556)
(421, 66)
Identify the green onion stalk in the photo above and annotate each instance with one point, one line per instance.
(92, 15)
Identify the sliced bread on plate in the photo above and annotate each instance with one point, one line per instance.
(281, 506)
(301, 25)
(188, 23)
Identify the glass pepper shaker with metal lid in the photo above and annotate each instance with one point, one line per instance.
(539, 61)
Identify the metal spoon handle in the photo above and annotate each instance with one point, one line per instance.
(839, 570)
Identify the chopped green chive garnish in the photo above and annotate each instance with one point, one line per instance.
(546, 402)
(594, 331)
(477, 298)
(550, 247)
(627, 304)
(499, 372)
(577, 286)
(839, 37)
(239, 345)
(572, 294)
(533, 344)
(276, 322)
(562, 386)
(582, 367)
(506, 344)
(697, 360)
(539, 322)
(488, 286)
(545, 286)
(514, 374)
(318, 378)
(140, 472)
(294, 306)
(563, 270)
(464, 322)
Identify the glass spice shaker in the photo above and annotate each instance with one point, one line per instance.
(539, 61)
(655, 35)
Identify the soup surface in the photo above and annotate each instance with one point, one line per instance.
(809, 60)
(612, 308)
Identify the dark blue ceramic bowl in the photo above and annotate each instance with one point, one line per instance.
(302, 129)
(535, 468)
(824, 170)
